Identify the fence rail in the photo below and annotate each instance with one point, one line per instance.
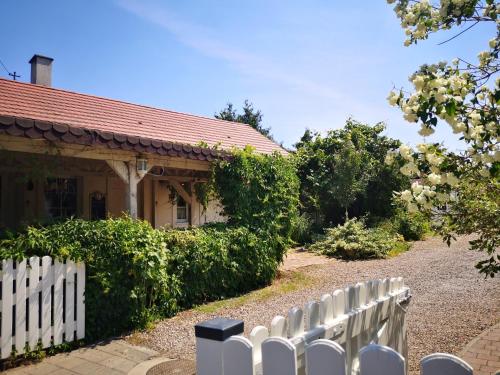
(357, 330)
(41, 303)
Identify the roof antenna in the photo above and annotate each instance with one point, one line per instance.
(13, 75)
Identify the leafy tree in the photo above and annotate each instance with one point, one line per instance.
(351, 173)
(466, 96)
(343, 173)
(250, 116)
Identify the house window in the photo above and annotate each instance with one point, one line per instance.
(182, 210)
(61, 197)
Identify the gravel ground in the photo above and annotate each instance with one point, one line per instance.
(451, 302)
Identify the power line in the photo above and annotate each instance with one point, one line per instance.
(14, 75)
(7, 70)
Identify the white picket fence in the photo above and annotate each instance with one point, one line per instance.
(42, 301)
(357, 330)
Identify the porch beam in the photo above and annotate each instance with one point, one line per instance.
(120, 168)
(179, 179)
(181, 191)
(42, 146)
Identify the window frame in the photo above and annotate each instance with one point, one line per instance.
(184, 206)
(76, 194)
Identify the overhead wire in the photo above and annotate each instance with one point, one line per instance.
(7, 70)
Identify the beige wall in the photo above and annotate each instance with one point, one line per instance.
(166, 211)
(163, 207)
(22, 202)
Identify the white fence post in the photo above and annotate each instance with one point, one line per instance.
(35, 312)
(210, 337)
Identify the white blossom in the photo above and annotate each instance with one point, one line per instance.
(434, 178)
(425, 131)
(451, 179)
(416, 187)
(406, 195)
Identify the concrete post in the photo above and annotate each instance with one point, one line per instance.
(210, 337)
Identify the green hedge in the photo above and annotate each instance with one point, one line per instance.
(215, 262)
(136, 274)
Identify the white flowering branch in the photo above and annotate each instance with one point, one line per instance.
(462, 95)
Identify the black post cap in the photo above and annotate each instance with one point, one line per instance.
(218, 329)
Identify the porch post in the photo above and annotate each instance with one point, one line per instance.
(133, 181)
(128, 173)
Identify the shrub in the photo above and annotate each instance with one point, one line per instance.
(353, 240)
(136, 274)
(413, 226)
(302, 229)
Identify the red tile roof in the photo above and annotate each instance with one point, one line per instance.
(29, 101)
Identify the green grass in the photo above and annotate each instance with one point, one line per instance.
(285, 283)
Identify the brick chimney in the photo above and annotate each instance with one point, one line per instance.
(41, 70)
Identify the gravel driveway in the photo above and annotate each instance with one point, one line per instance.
(452, 303)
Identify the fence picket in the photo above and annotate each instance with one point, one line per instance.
(326, 309)
(257, 337)
(34, 308)
(238, 356)
(59, 270)
(380, 360)
(80, 301)
(279, 327)
(361, 294)
(7, 302)
(350, 296)
(34, 281)
(325, 357)
(278, 357)
(69, 321)
(295, 322)
(339, 303)
(20, 338)
(47, 279)
(444, 364)
(312, 315)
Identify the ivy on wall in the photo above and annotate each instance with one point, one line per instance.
(257, 191)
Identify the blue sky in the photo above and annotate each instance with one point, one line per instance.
(303, 63)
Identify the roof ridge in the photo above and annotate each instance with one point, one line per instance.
(120, 101)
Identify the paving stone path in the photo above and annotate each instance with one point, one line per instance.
(483, 353)
(114, 358)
